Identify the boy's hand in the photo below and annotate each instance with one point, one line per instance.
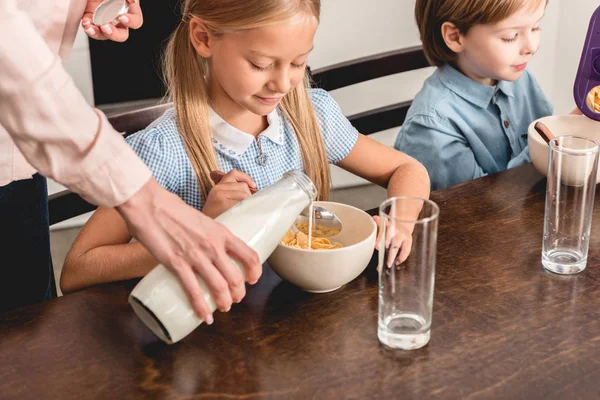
(132, 19)
(398, 243)
(230, 189)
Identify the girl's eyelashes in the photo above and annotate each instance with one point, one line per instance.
(536, 29)
(259, 68)
(268, 67)
(512, 39)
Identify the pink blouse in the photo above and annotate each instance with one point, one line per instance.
(45, 123)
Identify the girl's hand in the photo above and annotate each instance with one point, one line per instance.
(230, 189)
(117, 33)
(398, 243)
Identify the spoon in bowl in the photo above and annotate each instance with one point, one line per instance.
(322, 218)
(544, 132)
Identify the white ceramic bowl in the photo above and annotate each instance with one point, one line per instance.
(321, 271)
(559, 125)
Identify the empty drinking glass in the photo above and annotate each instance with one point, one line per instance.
(572, 169)
(406, 280)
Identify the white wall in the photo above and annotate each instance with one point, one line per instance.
(543, 64)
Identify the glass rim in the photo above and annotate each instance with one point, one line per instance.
(574, 152)
(432, 217)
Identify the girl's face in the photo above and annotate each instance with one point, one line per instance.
(252, 70)
(502, 50)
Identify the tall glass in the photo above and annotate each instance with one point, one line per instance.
(572, 170)
(406, 273)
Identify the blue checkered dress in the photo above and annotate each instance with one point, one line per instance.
(163, 150)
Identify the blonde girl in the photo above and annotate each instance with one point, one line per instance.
(236, 71)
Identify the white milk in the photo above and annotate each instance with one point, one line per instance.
(261, 221)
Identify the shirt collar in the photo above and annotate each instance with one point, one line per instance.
(470, 90)
(232, 142)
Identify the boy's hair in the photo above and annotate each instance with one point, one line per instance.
(186, 72)
(430, 15)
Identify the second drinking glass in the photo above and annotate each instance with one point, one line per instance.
(572, 169)
(407, 252)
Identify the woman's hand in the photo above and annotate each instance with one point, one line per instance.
(188, 242)
(117, 33)
(230, 189)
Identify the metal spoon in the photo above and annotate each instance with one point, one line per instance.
(322, 217)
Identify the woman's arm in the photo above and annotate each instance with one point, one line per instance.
(102, 253)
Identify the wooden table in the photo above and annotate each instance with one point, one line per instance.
(502, 327)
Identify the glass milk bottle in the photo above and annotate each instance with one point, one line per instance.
(261, 221)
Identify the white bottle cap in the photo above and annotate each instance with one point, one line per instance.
(108, 11)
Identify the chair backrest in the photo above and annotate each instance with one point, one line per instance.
(64, 205)
(367, 68)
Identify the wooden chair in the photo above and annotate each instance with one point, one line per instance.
(65, 205)
(367, 68)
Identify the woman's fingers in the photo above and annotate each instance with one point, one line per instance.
(134, 18)
(189, 282)
(118, 33)
(118, 30)
(233, 275)
(94, 32)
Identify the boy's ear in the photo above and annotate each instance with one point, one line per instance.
(200, 37)
(453, 37)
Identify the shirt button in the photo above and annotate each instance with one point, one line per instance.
(506, 123)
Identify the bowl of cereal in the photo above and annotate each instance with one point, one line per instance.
(332, 261)
(559, 125)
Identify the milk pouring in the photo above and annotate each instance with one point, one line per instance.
(260, 221)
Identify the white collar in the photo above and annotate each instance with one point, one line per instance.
(232, 142)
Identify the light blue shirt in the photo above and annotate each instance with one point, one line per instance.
(461, 129)
(162, 149)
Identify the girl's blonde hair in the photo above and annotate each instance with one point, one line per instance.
(430, 15)
(185, 73)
